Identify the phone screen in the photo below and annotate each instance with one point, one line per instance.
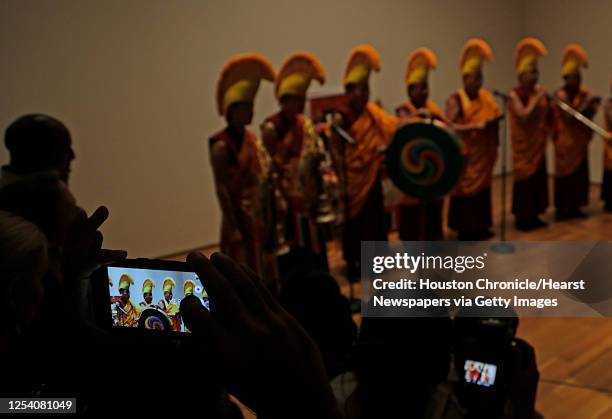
(150, 298)
(479, 373)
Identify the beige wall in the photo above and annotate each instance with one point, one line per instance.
(134, 81)
(588, 22)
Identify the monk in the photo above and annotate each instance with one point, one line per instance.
(128, 313)
(529, 106)
(292, 142)
(419, 220)
(474, 116)
(572, 138)
(360, 163)
(606, 187)
(147, 294)
(240, 162)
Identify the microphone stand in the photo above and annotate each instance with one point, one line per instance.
(503, 246)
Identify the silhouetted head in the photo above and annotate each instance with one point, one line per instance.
(315, 300)
(39, 143)
(400, 360)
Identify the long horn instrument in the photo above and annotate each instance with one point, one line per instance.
(606, 135)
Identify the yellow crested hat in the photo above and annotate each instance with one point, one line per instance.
(296, 73)
(574, 58)
(188, 287)
(240, 78)
(474, 53)
(527, 53)
(363, 59)
(419, 63)
(147, 286)
(125, 281)
(168, 284)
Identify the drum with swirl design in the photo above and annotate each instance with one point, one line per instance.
(424, 160)
(154, 318)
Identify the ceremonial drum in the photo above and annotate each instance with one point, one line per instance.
(153, 318)
(424, 160)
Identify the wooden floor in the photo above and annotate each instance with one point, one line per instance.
(574, 355)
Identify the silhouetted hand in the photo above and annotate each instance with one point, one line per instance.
(82, 253)
(267, 359)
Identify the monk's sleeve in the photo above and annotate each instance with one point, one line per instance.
(436, 112)
(453, 109)
(387, 123)
(495, 109)
(223, 186)
(391, 123)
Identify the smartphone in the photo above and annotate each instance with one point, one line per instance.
(145, 295)
(483, 357)
(479, 373)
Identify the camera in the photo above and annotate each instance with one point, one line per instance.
(483, 358)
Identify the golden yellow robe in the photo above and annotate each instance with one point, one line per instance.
(372, 130)
(172, 310)
(131, 318)
(407, 110)
(571, 138)
(293, 146)
(480, 145)
(246, 174)
(529, 137)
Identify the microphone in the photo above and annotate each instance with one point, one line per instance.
(342, 133)
(500, 94)
(118, 307)
(339, 131)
